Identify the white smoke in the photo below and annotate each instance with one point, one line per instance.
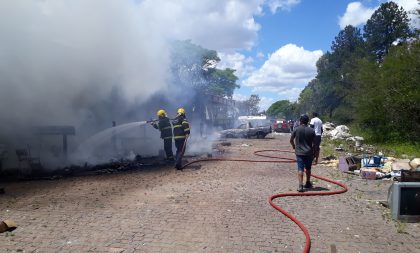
(88, 63)
(58, 58)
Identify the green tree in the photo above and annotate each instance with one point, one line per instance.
(196, 67)
(307, 98)
(348, 41)
(388, 24)
(388, 106)
(191, 64)
(278, 109)
(335, 79)
(252, 104)
(283, 109)
(223, 82)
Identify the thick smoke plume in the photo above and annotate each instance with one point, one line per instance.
(59, 59)
(88, 63)
(79, 63)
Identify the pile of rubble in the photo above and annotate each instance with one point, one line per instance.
(341, 132)
(387, 167)
(371, 164)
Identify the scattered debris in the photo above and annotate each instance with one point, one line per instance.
(368, 173)
(403, 164)
(341, 132)
(225, 143)
(7, 226)
(415, 164)
(329, 158)
(339, 148)
(113, 166)
(410, 176)
(330, 163)
(375, 167)
(348, 163)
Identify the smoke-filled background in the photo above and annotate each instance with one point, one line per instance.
(89, 63)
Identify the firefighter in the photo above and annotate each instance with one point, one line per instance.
(164, 125)
(181, 133)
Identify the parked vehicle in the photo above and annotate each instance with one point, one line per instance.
(247, 130)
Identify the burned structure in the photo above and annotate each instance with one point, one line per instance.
(215, 112)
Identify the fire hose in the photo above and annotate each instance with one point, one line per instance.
(280, 159)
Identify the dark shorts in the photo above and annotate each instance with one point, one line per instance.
(304, 162)
(317, 142)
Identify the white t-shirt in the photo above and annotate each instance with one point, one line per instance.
(317, 123)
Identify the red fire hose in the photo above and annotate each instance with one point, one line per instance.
(287, 194)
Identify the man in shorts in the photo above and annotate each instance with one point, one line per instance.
(316, 124)
(302, 140)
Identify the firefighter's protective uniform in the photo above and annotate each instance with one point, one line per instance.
(181, 132)
(164, 125)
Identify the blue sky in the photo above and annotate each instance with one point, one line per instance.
(298, 26)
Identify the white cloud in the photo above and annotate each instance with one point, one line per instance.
(356, 14)
(286, 71)
(240, 62)
(274, 5)
(215, 24)
(265, 103)
(410, 7)
(260, 55)
(240, 97)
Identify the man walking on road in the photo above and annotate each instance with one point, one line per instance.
(302, 142)
(316, 124)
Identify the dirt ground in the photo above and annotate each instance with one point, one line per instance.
(209, 207)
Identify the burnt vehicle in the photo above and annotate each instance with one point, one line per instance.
(247, 130)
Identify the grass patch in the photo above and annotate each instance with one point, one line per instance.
(390, 148)
(394, 149)
(400, 149)
(328, 146)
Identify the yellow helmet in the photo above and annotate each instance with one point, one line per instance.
(161, 113)
(181, 111)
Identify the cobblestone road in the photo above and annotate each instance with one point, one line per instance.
(212, 207)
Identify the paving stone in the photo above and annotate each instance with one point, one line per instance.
(220, 207)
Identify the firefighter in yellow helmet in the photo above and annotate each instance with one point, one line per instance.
(181, 133)
(164, 125)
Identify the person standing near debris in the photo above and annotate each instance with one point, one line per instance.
(164, 125)
(181, 133)
(316, 124)
(302, 142)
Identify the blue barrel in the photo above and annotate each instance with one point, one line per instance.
(377, 160)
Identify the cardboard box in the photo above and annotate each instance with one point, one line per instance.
(368, 173)
(401, 166)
